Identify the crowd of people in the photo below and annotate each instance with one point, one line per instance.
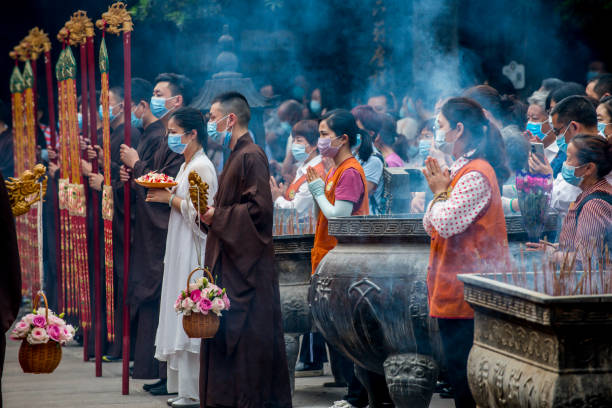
(328, 160)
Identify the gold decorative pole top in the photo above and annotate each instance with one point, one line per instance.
(37, 42)
(116, 20)
(20, 52)
(77, 29)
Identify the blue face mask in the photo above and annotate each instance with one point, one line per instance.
(136, 121)
(601, 127)
(424, 147)
(158, 106)
(561, 143)
(223, 137)
(412, 150)
(175, 144)
(535, 129)
(298, 151)
(110, 112)
(44, 155)
(315, 106)
(286, 127)
(80, 119)
(569, 174)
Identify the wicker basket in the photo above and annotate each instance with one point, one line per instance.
(40, 358)
(198, 325)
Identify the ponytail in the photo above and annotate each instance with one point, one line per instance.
(482, 136)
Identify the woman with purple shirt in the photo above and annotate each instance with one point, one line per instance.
(386, 139)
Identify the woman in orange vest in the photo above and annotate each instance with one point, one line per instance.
(344, 191)
(304, 149)
(466, 223)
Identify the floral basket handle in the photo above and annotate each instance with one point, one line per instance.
(37, 297)
(206, 271)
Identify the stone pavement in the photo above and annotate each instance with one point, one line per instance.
(73, 384)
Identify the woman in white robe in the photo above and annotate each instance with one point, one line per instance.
(185, 247)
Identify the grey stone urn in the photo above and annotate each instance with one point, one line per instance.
(292, 263)
(369, 300)
(535, 350)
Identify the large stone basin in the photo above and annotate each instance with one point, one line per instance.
(369, 300)
(535, 350)
(292, 263)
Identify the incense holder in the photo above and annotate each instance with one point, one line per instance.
(536, 350)
(292, 263)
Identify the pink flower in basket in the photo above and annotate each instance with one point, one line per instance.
(54, 332)
(21, 328)
(205, 305)
(41, 311)
(226, 301)
(177, 304)
(39, 321)
(67, 333)
(28, 318)
(187, 306)
(53, 319)
(217, 306)
(38, 336)
(194, 286)
(196, 295)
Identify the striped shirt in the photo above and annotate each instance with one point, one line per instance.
(596, 216)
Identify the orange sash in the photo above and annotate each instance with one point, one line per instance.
(295, 186)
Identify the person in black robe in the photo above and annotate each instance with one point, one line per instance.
(10, 273)
(245, 364)
(112, 352)
(149, 246)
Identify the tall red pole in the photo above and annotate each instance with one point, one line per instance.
(93, 135)
(51, 108)
(83, 59)
(33, 62)
(127, 103)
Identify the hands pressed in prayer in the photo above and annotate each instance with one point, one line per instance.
(158, 195)
(311, 174)
(124, 174)
(207, 217)
(95, 181)
(129, 155)
(278, 190)
(438, 179)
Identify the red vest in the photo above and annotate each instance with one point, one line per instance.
(323, 242)
(482, 247)
(295, 186)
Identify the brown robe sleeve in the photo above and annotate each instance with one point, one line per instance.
(10, 273)
(246, 227)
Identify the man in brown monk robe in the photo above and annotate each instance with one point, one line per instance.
(151, 226)
(10, 273)
(245, 364)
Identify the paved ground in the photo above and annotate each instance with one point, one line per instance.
(73, 384)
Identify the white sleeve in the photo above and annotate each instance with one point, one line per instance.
(339, 209)
(188, 211)
(563, 194)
